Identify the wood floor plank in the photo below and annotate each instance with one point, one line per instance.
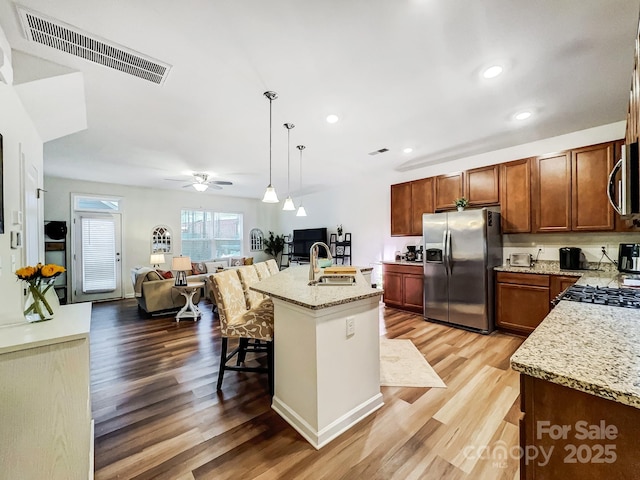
(158, 415)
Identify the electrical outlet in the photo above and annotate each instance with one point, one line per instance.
(351, 326)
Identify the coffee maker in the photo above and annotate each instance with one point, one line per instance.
(629, 257)
(411, 253)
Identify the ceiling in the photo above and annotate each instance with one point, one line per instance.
(402, 73)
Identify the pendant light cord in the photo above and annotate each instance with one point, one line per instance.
(270, 137)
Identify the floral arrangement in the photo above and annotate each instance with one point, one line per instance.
(340, 230)
(39, 280)
(461, 202)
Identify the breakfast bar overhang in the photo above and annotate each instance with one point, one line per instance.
(327, 353)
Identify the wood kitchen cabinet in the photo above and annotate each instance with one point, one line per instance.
(522, 301)
(590, 208)
(515, 196)
(558, 405)
(401, 209)
(551, 193)
(482, 185)
(421, 202)
(409, 201)
(447, 189)
(403, 286)
(559, 283)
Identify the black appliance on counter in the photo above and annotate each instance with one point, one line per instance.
(629, 257)
(570, 258)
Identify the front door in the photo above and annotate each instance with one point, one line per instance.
(97, 256)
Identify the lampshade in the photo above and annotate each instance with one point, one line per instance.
(270, 195)
(181, 265)
(288, 204)
(301, 211)
(156, 259)
(201, 187)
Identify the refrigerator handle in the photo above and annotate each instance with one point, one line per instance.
(445, 256)
(449, 256)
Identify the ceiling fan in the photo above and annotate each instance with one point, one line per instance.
(201, 182)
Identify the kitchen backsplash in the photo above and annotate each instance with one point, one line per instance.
(590, 243)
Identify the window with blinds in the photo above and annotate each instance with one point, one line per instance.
(206, 235)
(98, 254)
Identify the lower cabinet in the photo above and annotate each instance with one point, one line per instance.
(403, 286)
(582, 436)
(524, 299)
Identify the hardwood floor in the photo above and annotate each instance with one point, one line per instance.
(158, 416)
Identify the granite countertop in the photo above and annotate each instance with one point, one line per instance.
(547, 267)
(402, 262)
(590, 348)
(292, 285)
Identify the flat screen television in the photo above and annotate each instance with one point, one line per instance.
(303, 239)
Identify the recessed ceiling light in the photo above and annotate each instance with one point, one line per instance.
(522, 115)
(493, 71)
(332, 118)
(408, 150)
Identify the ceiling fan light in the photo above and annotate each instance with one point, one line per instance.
(288, 204)
(201, 187)
(301, 212)
(270, 195)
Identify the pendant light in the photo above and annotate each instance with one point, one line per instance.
(301, 211)
(288, 203)
(270, 195)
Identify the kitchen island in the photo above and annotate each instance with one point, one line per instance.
(580, 390)
(327, 352)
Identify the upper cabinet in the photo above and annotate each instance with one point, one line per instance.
(559, 192)
(401, 209)
(551, 193)
(421, 202)
(515, 196)
(481, 185)
(409, 201)
(448, 188)
(590, 167)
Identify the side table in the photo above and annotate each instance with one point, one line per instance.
(190, 310)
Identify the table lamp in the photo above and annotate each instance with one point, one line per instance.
(156, 259)
(181, 265)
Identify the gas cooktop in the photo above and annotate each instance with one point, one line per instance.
(615, 297)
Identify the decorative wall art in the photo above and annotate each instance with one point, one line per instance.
(161, 239)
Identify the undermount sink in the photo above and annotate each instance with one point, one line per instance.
(336, 280)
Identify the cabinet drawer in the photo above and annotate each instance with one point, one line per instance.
(404, 268)
(523, 279)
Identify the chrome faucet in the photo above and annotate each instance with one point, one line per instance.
(313, 257)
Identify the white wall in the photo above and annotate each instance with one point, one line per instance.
(19, 137)
(145, 208)
(364, 208)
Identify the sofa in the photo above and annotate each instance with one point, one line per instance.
(155, 293)
(154, 290)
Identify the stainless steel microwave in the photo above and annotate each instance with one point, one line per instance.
(626, 186)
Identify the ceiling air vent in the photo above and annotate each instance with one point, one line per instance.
(67, 38)
(376, 152)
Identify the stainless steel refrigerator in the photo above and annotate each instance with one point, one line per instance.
(460, 251)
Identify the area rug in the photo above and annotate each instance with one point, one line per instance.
(402, 365)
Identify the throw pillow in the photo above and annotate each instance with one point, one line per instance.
(248, 261)
(212, 267)
(224, 260)
(198, 268)
(165, 273)
(237, 261)
(153, 275)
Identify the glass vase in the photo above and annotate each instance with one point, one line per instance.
(42, 302)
